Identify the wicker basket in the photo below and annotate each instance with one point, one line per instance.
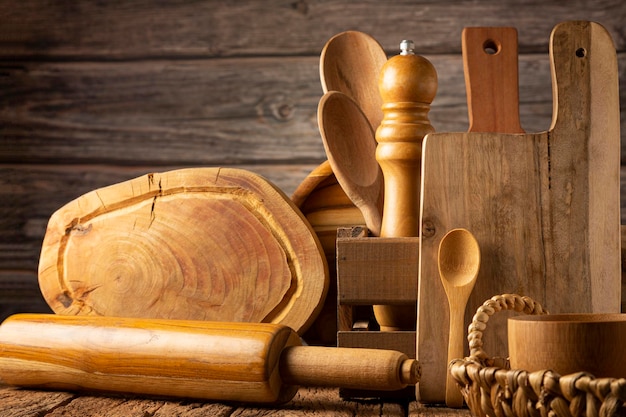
(491, 388)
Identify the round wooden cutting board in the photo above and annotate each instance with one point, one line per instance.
(201, 243)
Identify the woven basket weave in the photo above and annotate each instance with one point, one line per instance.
(491, 388)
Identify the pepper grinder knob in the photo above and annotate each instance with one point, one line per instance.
(407, 47)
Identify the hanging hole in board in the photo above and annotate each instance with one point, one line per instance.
(581, 52)
(491, 47)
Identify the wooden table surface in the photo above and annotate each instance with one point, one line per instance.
(16, 402)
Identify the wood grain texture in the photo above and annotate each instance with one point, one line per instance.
(205, 243)
(351, 148)
(590, 342)
(377, 262)
(214, 28)
(221, 361)
(207, 112)
(417, 409)
(458, 261)
(32, 192)
(350, 63)
(20, 403)
(407, 86)
(490, 65)
(327, 208)
(92, 91)
(19, 292)
(585, 200)
(310, 402)
(542, 229)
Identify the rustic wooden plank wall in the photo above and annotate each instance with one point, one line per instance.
(93, 93)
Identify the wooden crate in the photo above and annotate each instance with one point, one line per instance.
(366, 267)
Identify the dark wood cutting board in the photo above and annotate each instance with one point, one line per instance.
(201, 243)
(544, 207)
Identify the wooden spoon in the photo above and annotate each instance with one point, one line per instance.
(350, 145)
(458, 260)
(350, 63)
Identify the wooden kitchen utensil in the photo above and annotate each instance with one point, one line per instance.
(408, 84)
(544, 206)
(351, 149)
(350, 63)
(201, 243)
(458, 260)
(260, 363)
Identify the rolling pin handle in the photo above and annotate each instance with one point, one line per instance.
(410, 372)
(354, 368)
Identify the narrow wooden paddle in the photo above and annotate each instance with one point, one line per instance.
(351, 62)
(351, 149)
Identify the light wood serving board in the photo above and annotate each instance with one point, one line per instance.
(544, 207)
(202, 243)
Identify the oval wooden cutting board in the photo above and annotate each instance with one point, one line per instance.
(201, 243)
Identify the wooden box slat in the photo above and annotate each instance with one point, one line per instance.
(377, 270)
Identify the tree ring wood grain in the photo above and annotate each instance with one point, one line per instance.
(213, 244)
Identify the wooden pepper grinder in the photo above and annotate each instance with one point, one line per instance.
(407, 85)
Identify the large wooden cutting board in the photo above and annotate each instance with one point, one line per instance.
(544, 207)
(202, 243)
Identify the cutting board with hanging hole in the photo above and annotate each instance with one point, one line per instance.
(544, 207)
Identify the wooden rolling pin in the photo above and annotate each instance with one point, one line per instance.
(258, 363)
(408, 85)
